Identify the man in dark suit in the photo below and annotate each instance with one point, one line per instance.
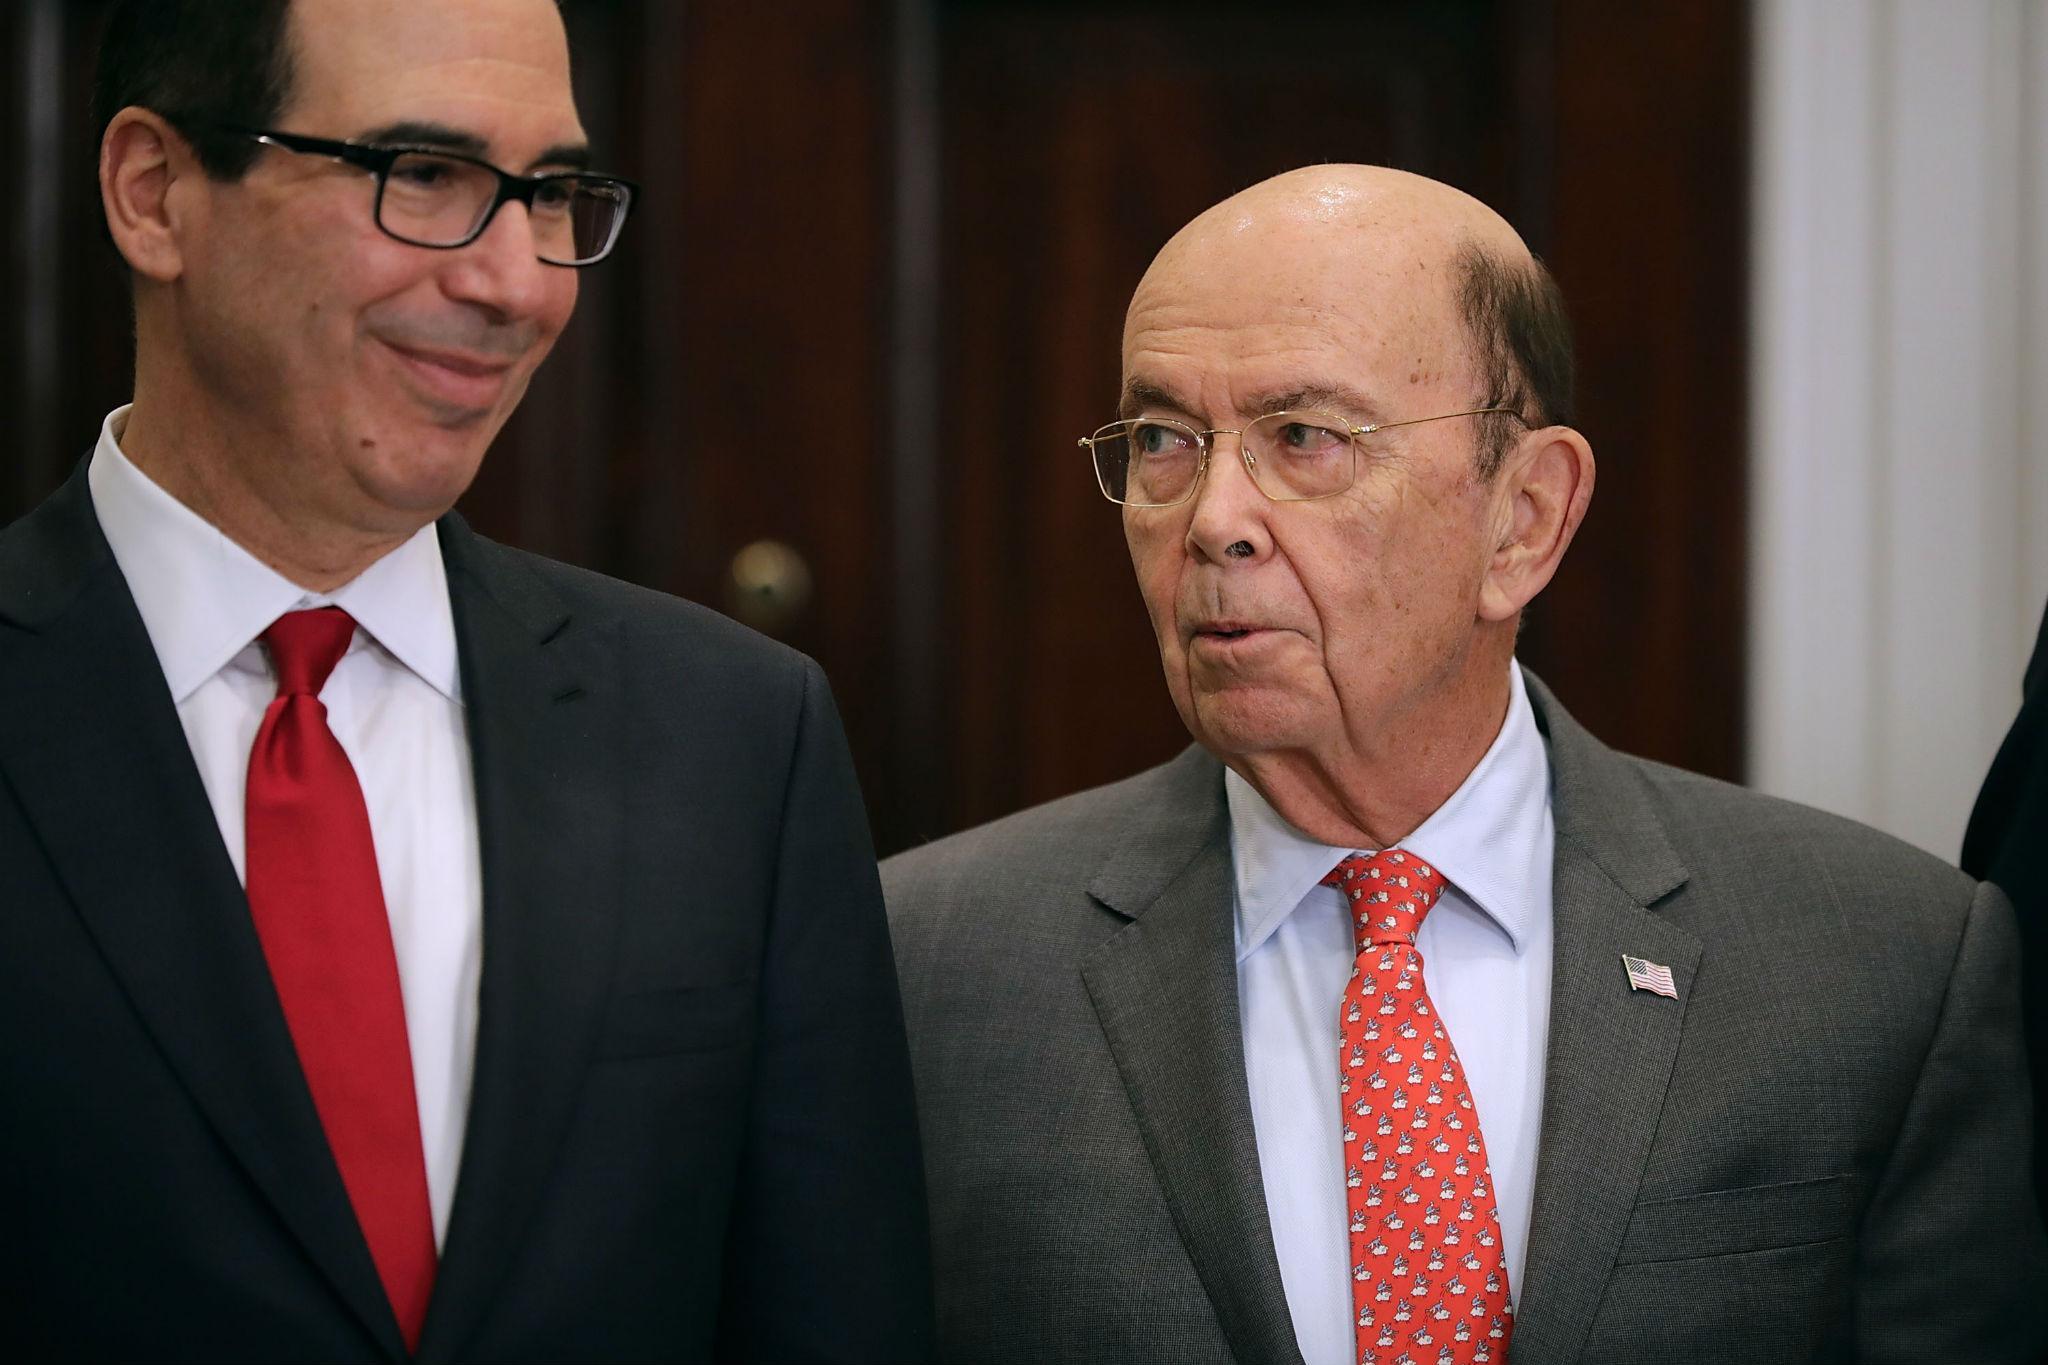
(2007, 844)
(409, 947)
(1399, 1019)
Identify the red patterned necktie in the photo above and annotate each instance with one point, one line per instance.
(319, 910)
(1428, 1278)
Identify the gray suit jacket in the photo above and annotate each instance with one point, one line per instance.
(1818, 1151)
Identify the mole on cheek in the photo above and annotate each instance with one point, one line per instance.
(368, 444)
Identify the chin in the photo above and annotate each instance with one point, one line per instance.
(1251, 721)
(419, 475)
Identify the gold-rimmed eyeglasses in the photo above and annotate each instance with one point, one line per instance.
(1291, 456)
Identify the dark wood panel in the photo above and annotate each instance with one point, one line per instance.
(725, 379)
(1643, 631)
(1115, 124)
(552, 479)
(63, 279)
(1612, 134)
(880, 271)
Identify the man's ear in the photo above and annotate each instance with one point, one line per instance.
(1545, 484)
(145, 170)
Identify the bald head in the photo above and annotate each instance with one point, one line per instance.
(1343, 389)
(1327, 215)
(1394, 260)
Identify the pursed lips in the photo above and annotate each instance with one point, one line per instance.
(1225, 630)
(1231, 636)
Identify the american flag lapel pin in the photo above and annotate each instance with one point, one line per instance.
(1653, 977)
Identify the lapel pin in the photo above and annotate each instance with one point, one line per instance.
(1653, 977)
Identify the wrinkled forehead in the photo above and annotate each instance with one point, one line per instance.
(498, 69)
(1383, 296)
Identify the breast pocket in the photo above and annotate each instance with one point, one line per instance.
(1753, 1218)
(659, 1023)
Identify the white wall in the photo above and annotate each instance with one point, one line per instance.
(1899, 417)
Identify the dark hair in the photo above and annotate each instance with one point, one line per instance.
(198, 63)
(1522, 341)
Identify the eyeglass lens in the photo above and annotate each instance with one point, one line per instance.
(441, 201)
(1295, 456)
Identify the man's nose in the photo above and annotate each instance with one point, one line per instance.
(1229, 521)
(502, 271)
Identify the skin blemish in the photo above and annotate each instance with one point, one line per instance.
(368, 444)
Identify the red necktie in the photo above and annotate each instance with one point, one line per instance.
(1428, 1277)
(319, 910)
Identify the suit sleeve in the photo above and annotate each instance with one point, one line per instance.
(2005, 844)
(828, 1257)
(1953, 1261)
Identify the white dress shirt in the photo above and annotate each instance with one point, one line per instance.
(395, 704)
(1486, 964)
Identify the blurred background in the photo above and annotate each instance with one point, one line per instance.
(832, 380)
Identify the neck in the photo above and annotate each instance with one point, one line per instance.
(199, 454)
(1372, 790)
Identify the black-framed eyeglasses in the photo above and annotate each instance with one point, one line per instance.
(443, 200)
(1291, 456)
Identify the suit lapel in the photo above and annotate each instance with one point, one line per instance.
(1611, 1048)
(1165, 991)
(538, 690)
(91, 745)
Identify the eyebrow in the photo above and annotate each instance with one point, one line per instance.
(1139, 394)
(1338, 398)
(442, 137)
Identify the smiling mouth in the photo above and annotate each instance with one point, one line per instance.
(456, 386)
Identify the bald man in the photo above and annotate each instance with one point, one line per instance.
(1398, 1019)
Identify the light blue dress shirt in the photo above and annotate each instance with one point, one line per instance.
(1486, 964)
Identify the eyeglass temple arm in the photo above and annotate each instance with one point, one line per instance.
(1370, 427)
(350, 153)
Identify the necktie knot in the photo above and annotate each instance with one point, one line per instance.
(306, 645)
(1390, 893)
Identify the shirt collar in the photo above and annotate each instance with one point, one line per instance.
(1488, 839)
(203, 599)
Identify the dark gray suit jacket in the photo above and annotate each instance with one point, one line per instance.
(1818, 1151)
(2007, 843)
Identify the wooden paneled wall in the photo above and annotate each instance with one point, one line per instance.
(873, 294)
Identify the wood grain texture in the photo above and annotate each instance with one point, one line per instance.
(733, 373)
(1642, 633)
